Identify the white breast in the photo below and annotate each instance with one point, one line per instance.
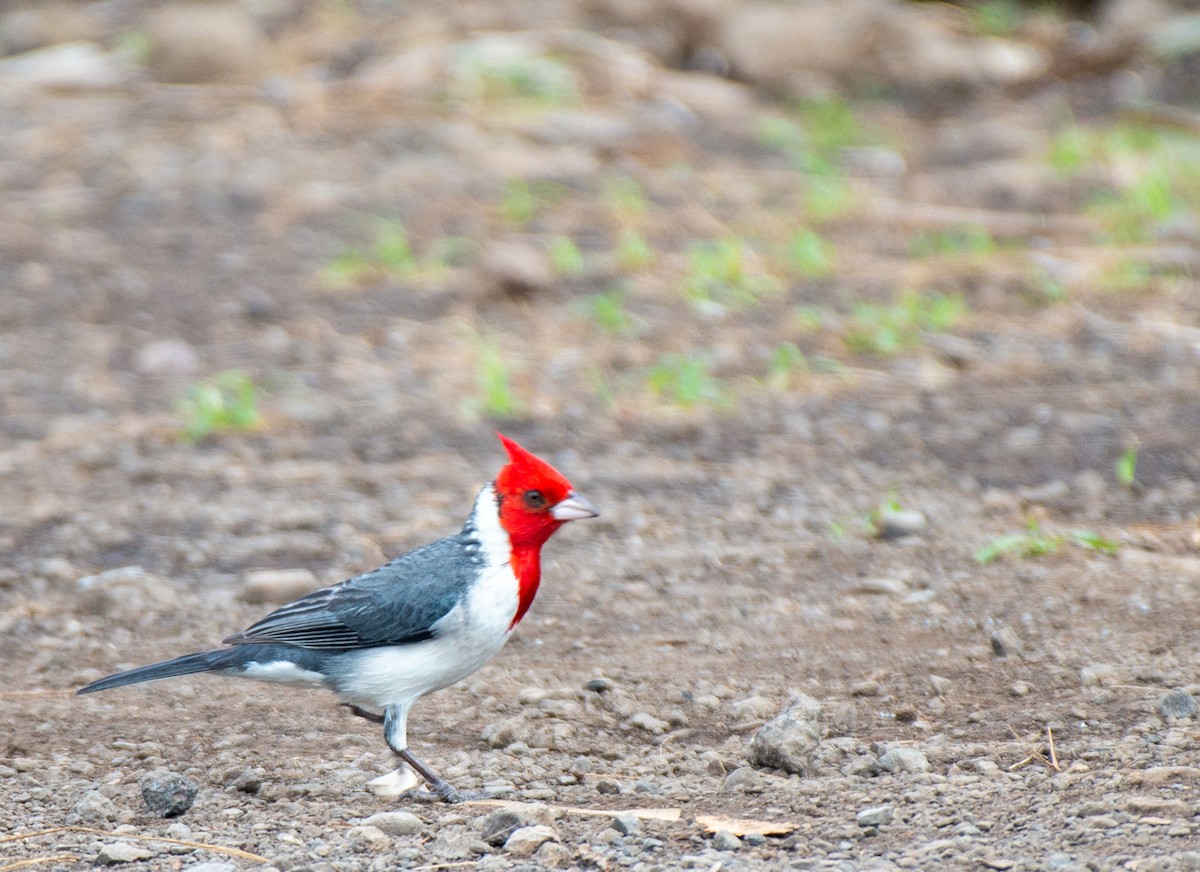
(467, 637)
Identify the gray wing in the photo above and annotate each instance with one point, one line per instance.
(397, 604)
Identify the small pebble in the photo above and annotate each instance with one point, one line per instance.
(397, 823)
(168, 794)
(1177, 704)
(499, 825)
(875, 816)
(368, 838)
(248, 782)
(743, 777)
(649, 723)
(724, 840)
(1006, 642)
(524, 841)
(904, 760)
(898, 523)
(122, 852)
(626, 824)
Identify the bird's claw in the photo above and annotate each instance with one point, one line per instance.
(444, 792)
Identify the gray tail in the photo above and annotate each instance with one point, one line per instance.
(205, 661)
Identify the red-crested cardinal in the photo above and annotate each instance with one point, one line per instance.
(427, 619)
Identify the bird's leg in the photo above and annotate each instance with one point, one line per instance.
(443, 790)
(395, 732)
(363, 713)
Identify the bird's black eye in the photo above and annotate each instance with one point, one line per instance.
(534, 499)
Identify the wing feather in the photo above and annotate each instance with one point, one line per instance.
(398, 604)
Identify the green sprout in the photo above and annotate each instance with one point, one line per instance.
(1035, 542)
(496, 397)
(565, 258)
(829, 125)
(608, 310)
(1126, 467)
(687, 381)
(811, 319)
(959, 240)
(523, 200)
(890, 329)
(810, 255)
(625, 198)
(633, 251)
(788, 364)
(225, 403)
(720, 272)
(513, 76)
(388, 257)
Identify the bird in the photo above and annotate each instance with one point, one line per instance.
(425, 620)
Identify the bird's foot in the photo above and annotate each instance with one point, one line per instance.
(443, 792)
(394, 784)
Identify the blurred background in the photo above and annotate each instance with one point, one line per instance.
(871, 326)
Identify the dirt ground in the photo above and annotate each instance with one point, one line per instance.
(154, 235)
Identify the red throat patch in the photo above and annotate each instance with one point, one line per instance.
(528, 488)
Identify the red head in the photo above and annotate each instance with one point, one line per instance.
(535, 498)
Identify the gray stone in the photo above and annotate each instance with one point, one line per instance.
(501, 734)
(1177, 704)
(368, 838)
(625, 824)
(552, 855)
(863, 766)
(904, 760)
(168, 794)
(751, 708)
(649, 723)
(941, 686)
(122, 852)
(516, 268)
(788, 741)
(211, 866)
(898, 523)
(1098, 675)
(396, 823)
(169, 356)
(524, 841)
(499, 825)
(744, 777)
(723, 840)
(248, 782)
(875, 816)
(881, 586)
(1006, 642)
(94, 808)
(452, 845)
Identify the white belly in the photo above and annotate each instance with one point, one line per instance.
(467, 637)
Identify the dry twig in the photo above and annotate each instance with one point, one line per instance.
(201, 846)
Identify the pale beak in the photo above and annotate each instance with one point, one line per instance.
(575, 507)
